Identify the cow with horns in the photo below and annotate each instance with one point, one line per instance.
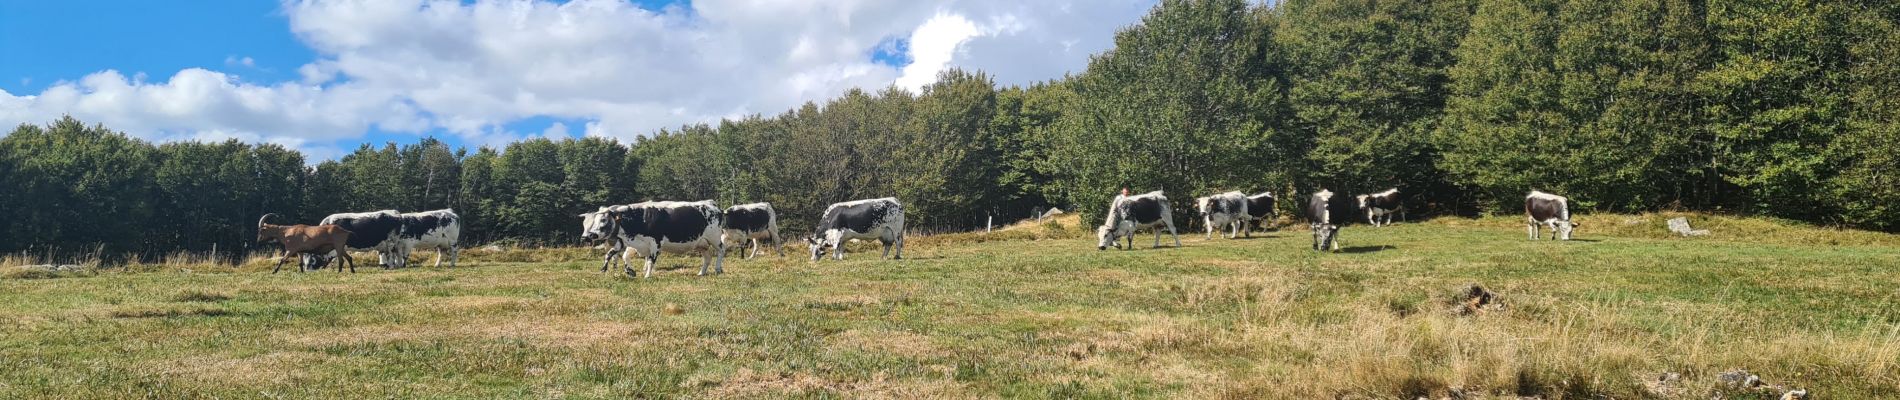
(649, 228)
(1223, 211)
(305, 239)
(1130, 213)
(1549, 210)
(881, 219)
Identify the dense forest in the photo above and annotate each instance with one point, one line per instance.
(1779, 108)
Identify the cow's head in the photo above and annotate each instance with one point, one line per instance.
(1107, 234)
(1564, 228)
(817, 247)
(595, 225)
(1362, 201)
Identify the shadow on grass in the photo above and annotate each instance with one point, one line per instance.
(1366, 249)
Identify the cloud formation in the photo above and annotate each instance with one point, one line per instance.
(469, 69)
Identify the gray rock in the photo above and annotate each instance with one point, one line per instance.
(1051, 213)
(1680, 226)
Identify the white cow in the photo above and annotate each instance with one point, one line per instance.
(1225, 210)
(881, 219)
(652, 227)
(750, 223)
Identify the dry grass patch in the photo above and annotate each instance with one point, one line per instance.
(907, 344)
(274, 368)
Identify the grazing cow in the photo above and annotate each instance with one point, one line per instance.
(1130, 213)
(750, 223)
(1319, 213)
(1260, 210)
(881, 219)
(1548, 210)
(652, 227)
(437, 230)
(1381, 204)
(375, 230)
(305, 239)
(1223, 211)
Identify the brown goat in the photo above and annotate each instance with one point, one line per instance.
(306, 239)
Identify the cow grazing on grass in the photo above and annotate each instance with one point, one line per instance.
(1225, 210)
(652, 227)
(881, 219)
(1322, 211)
(375, 230)
(1130, 213)
(750, 223)
(437, 230)
(305, 239)
(1260, 211)
(1381, 206)
(1549, 210)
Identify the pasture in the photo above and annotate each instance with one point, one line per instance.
(1030, 311)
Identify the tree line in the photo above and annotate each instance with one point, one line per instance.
(1777, 108)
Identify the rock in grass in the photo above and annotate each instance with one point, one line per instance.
(1680, 225)
(53, 268)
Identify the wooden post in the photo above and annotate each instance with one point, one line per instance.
(989, 224)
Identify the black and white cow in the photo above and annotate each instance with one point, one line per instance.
(375, 230)
(652, 227)
(881, 219)
(437, 230)
(1549, 210)
(1260, 210)
(1129, 213)
(750, 223)
(1225, 210)
(1320, 212)
(1381, 206)
(599, 226)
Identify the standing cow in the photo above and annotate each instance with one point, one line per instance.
(1225, 210)
(1260, 210)
(1549, 210)
(375, 230)
(1320, 212)
(1130, 213)
(1381, 206)
(437, 230)
(750, 223)
(652, 227)
(881, 219)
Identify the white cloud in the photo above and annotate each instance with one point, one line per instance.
(468, 69)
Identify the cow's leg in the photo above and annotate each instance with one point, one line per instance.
(455, 255)
(718, 259)
(1157, 229)
(886, 242)
(900, 247)
(1209, 221)
(837, 248)
(1170, 222)
(1531, 229)
(653, 259)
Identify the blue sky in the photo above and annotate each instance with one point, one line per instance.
(325, 76)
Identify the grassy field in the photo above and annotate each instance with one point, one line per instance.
(1033, 311)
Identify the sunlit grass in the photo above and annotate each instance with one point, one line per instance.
(1027, 311)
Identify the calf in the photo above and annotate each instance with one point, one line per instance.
(652, 227)
(305, 239)
(1130, 213)
(881, 219)
(1548, 210)
(1381, 205)
(1320, 210)
(1260, 211)
(1224, 210)
(750, 223)
(437, 230)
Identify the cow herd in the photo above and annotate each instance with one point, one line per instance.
(650, 228)
(1236, 214)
